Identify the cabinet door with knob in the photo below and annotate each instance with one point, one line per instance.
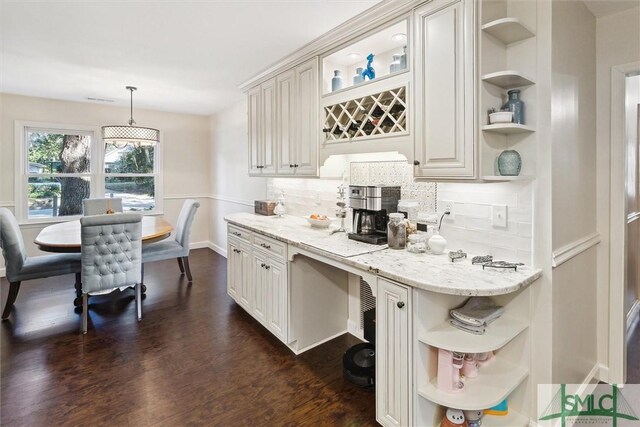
(393, 314)
(277, 303)
(286, 144)
(307, 118)
(260, 281)
(445, 137)
(234, 268)
(254, 101)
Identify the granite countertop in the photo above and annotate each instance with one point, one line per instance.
(434, 273)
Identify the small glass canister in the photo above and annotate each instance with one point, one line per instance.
(396, 231)
(417, 243)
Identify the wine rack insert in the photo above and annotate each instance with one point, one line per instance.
(380, 114)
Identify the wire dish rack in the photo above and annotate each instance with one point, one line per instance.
(379, 114)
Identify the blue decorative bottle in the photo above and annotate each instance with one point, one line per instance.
(509, 163)
(336, 81)
(515, 105)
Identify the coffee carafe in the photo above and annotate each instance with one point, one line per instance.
(371, 208)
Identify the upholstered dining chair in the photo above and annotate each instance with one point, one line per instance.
(179, 247)
(101, 206)
(111, 256)
(20, 267)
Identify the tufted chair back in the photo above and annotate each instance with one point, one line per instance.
(185, 220)
(111, 251)
(101, 206)
(12, 244)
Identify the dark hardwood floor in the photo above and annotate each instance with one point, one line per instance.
(195, 359)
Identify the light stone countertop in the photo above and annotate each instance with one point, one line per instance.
(434, 273)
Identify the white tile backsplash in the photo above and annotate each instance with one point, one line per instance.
(471, 227)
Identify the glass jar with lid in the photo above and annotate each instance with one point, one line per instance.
(396, 231)
(417, 243)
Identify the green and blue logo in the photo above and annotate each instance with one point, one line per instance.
(605, 405)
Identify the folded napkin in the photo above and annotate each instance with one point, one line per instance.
(478, 330)
(477, 311)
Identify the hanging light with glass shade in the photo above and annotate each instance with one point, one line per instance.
(121, 135)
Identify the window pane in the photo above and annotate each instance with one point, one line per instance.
(58, 152)
(131, 158)
(49, 197)
(136, 192)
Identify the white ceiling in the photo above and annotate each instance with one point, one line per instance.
(601, 8)
(185, 56)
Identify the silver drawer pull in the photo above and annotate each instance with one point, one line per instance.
(267, 267)
(264, 245)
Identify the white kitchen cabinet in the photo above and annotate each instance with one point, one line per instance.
(445, 145)
(307, 120)
(234, 268)
(283, 123)
(286, 119)
(260, 279)
(393, 316)
(255, 139)
(262, 114)
(278, 299)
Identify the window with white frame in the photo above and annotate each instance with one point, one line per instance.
(62, 165)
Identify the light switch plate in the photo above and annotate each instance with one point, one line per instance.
(499, 216)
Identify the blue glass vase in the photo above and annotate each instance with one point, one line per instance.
(515, 105)
(509, 163)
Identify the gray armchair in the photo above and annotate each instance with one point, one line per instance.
(101, 206)
(111, 248)
(178, 248)
(19, 267)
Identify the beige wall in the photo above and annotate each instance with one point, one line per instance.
(573, 120)
(617, 43)
(232, 189)
(185, 145)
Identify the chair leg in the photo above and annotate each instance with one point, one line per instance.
(185, 260)
(85, 313)
(138, 289)
(78, 285)
(14, 287)
(181, 265)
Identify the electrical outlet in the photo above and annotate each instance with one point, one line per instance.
(499, 216)
(447, 205)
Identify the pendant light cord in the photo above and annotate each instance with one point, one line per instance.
(131, 121)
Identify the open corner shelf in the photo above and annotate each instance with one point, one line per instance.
(498, 334)
(501, 178)
(507, 128)
(508, 30)
(493, 384)
(508, 79)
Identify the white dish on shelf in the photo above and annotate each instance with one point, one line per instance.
(319, 223)
(501, 117)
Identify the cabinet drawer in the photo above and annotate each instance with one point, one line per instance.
(240, 233)
(272, 246)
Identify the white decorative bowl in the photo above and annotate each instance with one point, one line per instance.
(501, 117)
(319, 223)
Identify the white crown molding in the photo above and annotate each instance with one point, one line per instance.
(565, 253)
(373, 17)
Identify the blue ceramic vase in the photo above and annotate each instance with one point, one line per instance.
(515, 105)
(509, 163)
(357, 79)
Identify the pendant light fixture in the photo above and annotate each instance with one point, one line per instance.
(121, 135)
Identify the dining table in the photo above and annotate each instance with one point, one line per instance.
(64, 237)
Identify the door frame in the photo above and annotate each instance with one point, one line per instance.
(617, 224)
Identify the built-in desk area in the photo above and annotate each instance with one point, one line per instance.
(303, 284)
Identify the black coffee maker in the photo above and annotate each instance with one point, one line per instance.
(371, 208)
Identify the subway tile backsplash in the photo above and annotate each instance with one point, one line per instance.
(470, 228)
